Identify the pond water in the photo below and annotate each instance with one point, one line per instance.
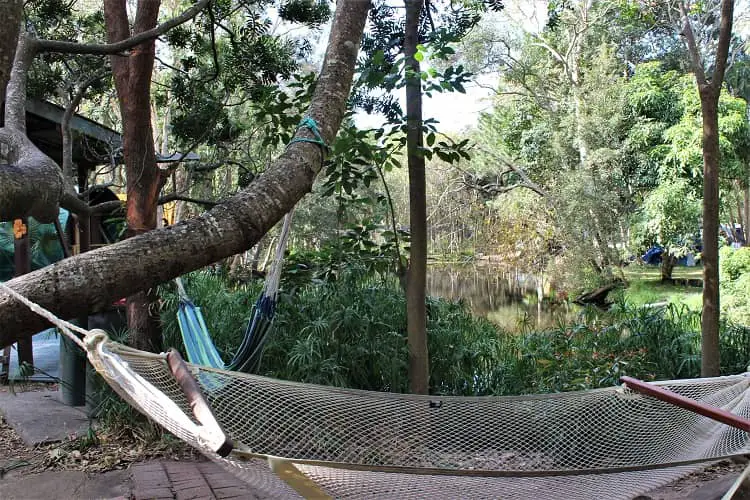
(507, 298)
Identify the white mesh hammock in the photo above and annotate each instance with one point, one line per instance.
(289, 439)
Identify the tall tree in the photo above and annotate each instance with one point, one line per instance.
(13, 11)
(91, 281)
(709, 89)
(416, 281)
(394, 51)
(144, 178)
(31, 184)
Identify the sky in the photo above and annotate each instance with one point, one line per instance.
(455, 111)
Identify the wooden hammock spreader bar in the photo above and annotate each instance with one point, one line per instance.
(198, 404)
(670, 397)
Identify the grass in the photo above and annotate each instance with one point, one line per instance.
(646, 286)
(646, 272)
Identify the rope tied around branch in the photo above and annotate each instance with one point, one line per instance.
(312, 125)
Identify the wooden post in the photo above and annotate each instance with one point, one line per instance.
(72, 362)
(22, 261)
(5, 365)
(61, 238)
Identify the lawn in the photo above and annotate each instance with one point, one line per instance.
(646, 286)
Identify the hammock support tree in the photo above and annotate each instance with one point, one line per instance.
(290, 439)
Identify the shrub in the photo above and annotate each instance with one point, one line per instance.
(734, 262)
(735, 283)
(352, 333)
(735, 349)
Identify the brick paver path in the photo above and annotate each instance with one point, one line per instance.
(186, 480)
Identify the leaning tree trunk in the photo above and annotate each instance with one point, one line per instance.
(90, 282)
(416, 312)
(144, 181)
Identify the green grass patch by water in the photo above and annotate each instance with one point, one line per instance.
(645, 287)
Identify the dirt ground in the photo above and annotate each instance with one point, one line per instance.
(708, 484)
(97, 452)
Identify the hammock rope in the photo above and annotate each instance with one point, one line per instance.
(65, 327)
(289, 439)
(196, 337)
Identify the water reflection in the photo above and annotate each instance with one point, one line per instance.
(511, 300)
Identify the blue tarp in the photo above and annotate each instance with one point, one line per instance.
(653, 255)
(45, 245)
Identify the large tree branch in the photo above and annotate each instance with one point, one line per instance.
(93, 280)
(12, 17)
(554, 53)
(722, 51)
(526, 182)
(31, 184)
(695, 57)
(121, 46)
(71, 202)
(178, 197)
(15, 98)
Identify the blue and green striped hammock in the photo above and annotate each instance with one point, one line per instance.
(199, 346)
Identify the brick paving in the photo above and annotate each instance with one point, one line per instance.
(186, 481)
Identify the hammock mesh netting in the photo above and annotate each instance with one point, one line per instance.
(607, 443)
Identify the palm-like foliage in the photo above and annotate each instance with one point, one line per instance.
(352, 333)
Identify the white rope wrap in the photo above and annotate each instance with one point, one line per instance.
(271, 287)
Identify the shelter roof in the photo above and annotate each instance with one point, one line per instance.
(93, 143)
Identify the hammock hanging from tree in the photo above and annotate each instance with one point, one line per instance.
(288, 439)
(196, 338)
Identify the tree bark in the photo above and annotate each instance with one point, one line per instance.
(709, 93)
(416, 280)
(9, 29)
(132, 76)
(92, 281)
(667, 266)
(710, 355)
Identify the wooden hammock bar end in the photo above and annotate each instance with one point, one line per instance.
(199, 405)
(670, 397)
